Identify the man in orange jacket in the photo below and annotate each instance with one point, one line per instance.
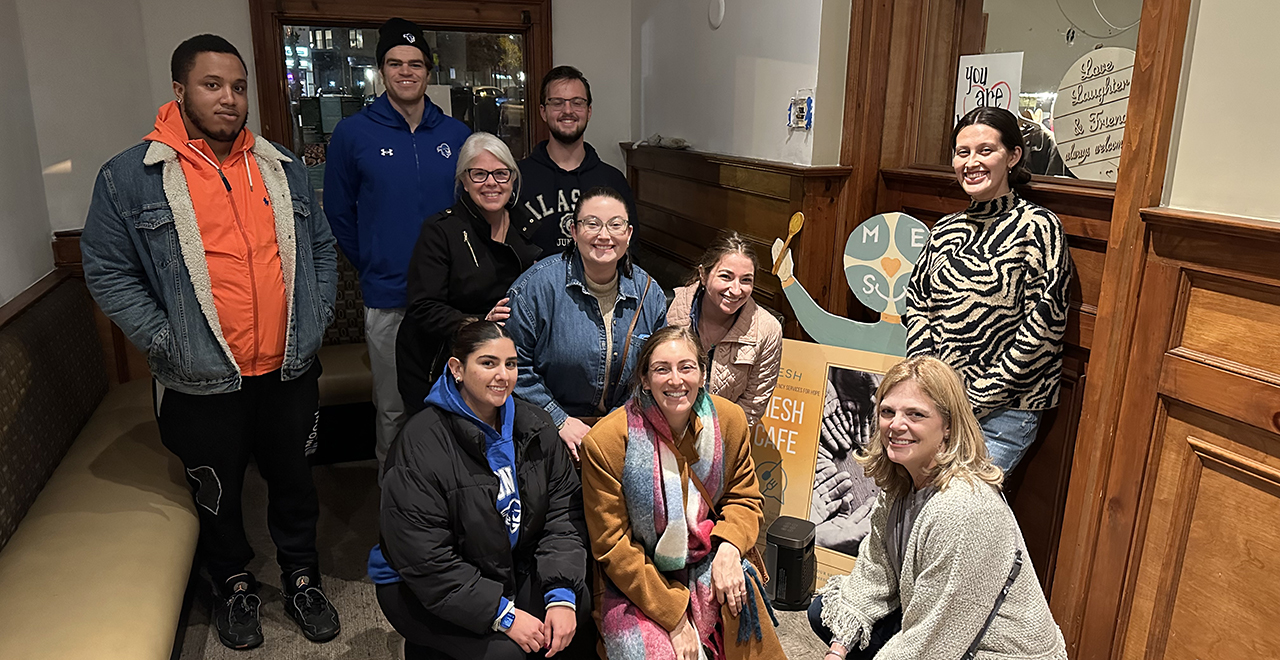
(206, 246)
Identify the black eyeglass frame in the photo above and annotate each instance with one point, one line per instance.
(498, 176)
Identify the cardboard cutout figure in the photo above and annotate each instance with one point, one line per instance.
(878, 259)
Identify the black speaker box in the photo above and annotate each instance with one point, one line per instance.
(790, 561)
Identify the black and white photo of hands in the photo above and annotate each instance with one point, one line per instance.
(841, 521)
(842, 500)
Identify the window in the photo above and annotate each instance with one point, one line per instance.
(322, 39)
(1051, 36)
(477, 78)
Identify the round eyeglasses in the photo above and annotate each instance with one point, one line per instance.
(593, 224)
(478, 175)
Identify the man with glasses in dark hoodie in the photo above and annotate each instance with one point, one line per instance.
(560, 169)
(389, 167)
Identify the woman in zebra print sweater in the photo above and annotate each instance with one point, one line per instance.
(989, 295)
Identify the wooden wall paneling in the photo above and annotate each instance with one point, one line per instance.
(942, 23)
(1160, 286)
(66, 251)
(685, 199)
(1209, 570)
(1209, 317)
(18, 304)
(531, 18)
(862, 135)
(1102, 500)
(1204, 570)
(1048, 463)
(905, 65)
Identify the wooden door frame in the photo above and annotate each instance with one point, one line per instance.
(882, 115)
(530, 18)
(1102, 519)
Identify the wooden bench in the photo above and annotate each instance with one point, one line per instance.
(97, 527)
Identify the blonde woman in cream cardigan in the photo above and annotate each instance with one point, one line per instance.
(943, 545)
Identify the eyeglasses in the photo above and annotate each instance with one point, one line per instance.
(593, 224)
(478, 175)
(577, 102)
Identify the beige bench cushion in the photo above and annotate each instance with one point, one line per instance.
(98, 567)
(346, 377)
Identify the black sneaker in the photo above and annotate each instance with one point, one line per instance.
(308, 606)
(235, 613)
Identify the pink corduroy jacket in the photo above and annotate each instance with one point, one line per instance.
(745, 367)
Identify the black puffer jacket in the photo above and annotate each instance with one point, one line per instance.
(456, 271)
(442, 532)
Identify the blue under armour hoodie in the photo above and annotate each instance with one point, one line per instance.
(380, 182)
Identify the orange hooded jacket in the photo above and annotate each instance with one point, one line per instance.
(237, 228)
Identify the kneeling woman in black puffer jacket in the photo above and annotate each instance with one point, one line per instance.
(482, 529)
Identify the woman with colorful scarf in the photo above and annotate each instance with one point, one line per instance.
(673, 507)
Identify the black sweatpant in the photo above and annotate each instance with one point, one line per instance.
(427, 636)
(215, 435)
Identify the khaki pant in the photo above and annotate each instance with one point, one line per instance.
(380, 329)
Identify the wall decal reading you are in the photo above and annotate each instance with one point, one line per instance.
(988, 81)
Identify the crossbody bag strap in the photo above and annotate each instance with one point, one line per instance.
(626, 345)
(1008, 584)
(1004, 592)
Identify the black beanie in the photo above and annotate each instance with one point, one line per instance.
(399, 32)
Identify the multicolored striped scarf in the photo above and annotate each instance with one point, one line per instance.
(674, 531)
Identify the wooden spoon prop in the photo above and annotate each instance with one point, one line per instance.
(797, 223)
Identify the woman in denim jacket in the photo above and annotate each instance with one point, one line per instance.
(580, 318)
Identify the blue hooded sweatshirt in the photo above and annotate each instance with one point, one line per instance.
(380, 182)
(499, 449)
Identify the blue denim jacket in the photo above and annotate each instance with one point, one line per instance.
(560, 340)
(141, 246)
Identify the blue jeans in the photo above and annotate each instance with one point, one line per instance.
(1009, 434)
(881, 632)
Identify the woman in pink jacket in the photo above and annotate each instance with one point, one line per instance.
(743, 341)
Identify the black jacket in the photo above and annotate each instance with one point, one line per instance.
(456, 272)
(549, 193)
(442, 532)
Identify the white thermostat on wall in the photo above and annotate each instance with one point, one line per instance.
(800, 112)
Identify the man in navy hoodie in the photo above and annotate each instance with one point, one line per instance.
(555, 174)
(390, 166)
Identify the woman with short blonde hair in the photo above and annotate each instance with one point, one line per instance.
(494, 146)
(465, 259)
(964, 455)
(945, 554)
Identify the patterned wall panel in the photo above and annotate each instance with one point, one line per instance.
(348, 318)
(52, 377)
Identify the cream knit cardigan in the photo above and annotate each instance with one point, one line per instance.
(957, 559)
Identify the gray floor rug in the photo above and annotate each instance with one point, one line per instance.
(348, 528)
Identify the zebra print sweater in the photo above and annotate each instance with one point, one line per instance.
(989, 297)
